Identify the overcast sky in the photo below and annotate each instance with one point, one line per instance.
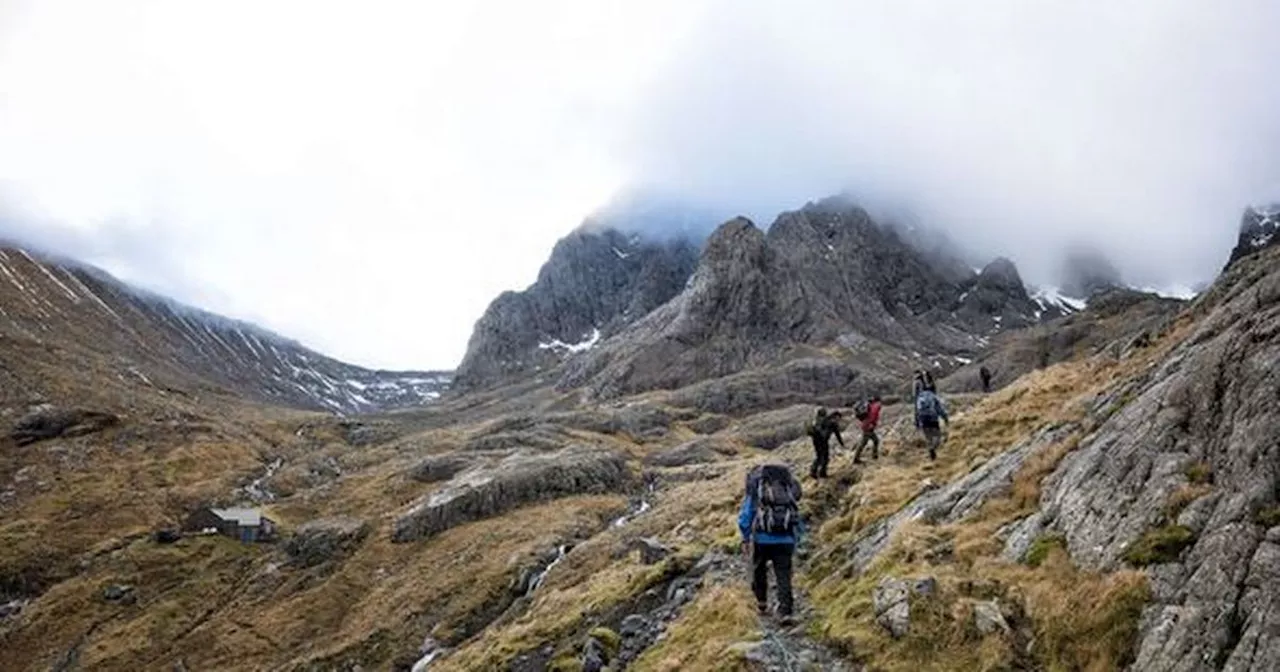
(366, 176)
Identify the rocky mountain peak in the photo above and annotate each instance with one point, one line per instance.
(596, 281)
(1258, 228)
(1002, 274)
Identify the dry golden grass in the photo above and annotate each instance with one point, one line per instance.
(721, 616)
(1078, 620)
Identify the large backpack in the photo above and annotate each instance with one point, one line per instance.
(777, 496)
(861, 410)
(926, 407)
(814, 425)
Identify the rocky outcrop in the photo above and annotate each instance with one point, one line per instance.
(997, 299)
(1114, 322)
(954, 501)
(516, 480)
(810, 380)
(822, 276)
(1206, 417)
(891, 601)
(320, 541)
(51, 422)
(596, 281)
(698, 451)
(1258, 229)
(439, 468)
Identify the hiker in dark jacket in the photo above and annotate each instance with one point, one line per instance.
(824, 425)
(922, 382)
(929, 410)
(985, 374)
(869, 425)
(770, 530)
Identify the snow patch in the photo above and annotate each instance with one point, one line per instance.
(582, 346)
(1174, 291)
(620, 253)
(1052, 297)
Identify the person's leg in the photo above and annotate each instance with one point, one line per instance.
(760, 576)
(821, 452)
(781, 558)
(933, 436)
(857, 453)
(875, 445)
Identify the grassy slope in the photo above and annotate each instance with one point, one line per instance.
(217, 604)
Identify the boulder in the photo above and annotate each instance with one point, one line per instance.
(892, 606)
(119, 593)
(439, 468)
(651, 550)
(988, 618)
(166, 536)
(51, 422)
(325, 540)
(517, 480)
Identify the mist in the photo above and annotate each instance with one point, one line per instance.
(1140, 128)
(367, 178)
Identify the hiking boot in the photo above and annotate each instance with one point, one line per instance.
(933, 454)
(762, 608)
(787, 620)
(857, 460)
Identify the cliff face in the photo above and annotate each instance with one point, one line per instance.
(1192, 460)
(1258, 229)
(596, 282)
(824, 276)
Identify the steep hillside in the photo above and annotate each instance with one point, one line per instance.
(72, 312)
(596, 281)
(1258, 228)
(824, 281)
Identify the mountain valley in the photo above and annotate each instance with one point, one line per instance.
(566, 500)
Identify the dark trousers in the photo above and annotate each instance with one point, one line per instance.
(822, 455)
(780, 556)
(868, 437)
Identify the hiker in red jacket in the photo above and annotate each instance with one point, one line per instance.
(870, 421)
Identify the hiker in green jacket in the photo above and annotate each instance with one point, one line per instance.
(820, 430)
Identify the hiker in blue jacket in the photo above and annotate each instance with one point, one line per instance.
(770, 524)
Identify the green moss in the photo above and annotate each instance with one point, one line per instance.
(1160, 545)
(1042, 547)
(610, 639)
(1268, 517)
(1199, 472)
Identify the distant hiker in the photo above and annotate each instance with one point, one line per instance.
(820, 430)
(771, 527)
(929, 410)
(923, 381)
(869, 414)
(985, 374)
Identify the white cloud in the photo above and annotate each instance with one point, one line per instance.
(367, 176)
(364, 176)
